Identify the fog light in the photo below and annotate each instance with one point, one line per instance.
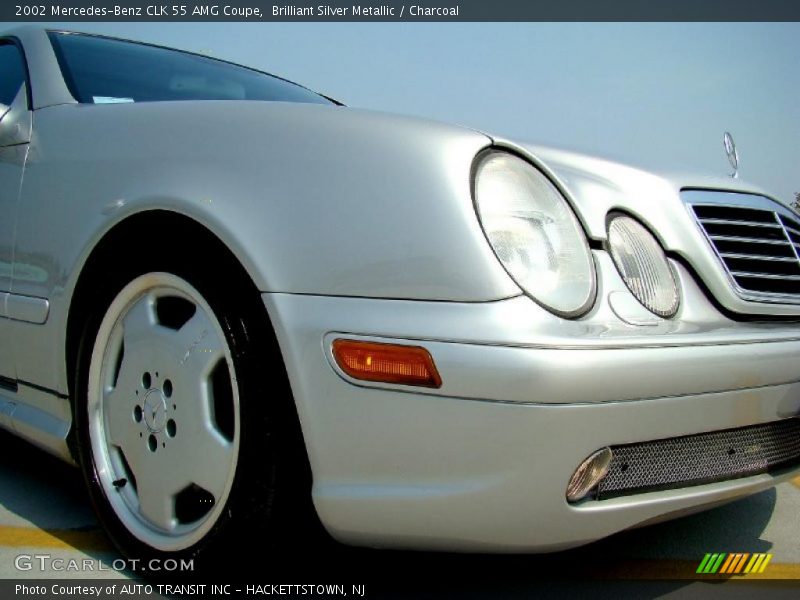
(589, 474)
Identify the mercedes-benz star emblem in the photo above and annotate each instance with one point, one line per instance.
(733, 154)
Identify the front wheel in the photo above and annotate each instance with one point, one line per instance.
(176, 428)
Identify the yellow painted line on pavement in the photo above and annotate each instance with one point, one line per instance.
(796, 482)
(19, 537)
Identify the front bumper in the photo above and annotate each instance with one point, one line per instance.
(482, 464)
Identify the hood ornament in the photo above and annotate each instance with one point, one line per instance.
(733, 154)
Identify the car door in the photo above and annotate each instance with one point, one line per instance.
(15, 122)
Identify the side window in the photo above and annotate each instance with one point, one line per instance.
(12, 72)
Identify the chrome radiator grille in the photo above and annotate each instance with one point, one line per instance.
(702, 458)
(759, 248)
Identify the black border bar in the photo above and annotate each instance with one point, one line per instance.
(399, 10)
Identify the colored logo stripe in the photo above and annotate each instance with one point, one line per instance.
(733, 564)
(710, 563)
(736, 564)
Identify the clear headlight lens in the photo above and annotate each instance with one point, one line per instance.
(534, 233)
(643, 266)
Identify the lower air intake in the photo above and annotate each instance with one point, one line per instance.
(702, 458)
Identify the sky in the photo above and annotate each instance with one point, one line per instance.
(656, 94)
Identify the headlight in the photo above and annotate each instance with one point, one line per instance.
(534, 233)
(643, 265)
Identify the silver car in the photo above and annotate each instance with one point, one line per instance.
(238, 304)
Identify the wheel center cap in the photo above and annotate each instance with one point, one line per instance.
(155, 410)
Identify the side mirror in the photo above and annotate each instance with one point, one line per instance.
(16, 122)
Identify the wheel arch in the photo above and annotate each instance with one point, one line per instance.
(182, 231)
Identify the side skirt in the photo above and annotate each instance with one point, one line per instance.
(39, 416)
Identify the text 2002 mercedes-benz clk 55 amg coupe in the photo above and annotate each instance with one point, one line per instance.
(225, 296)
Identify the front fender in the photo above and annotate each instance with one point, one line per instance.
(311, 199)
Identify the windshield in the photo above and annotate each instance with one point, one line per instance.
(101, 70)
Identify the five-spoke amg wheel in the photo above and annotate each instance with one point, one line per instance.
(185, 425)
(163, 411)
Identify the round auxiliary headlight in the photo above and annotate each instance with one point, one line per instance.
(643, 266)
(534, 233)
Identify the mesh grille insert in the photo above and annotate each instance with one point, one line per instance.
(702, 458)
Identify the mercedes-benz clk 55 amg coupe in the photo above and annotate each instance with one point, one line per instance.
(228, 298)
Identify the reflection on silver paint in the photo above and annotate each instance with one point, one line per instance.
(113, 206)
(629, 310)
(26, 272)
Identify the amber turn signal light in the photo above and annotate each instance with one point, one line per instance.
(387, 363)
